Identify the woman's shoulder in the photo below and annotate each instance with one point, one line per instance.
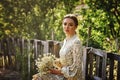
(77, 40)
(77, 43)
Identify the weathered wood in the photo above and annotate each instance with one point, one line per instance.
(17, 52)
(14, 50)
(57, 46)
(118, 71)
(95, 64)
(113, 62)
(9, 75)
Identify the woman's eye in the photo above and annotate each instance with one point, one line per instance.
(68, 24)
(71, 24)
(65, 23)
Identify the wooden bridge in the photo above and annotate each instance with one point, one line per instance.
(17, 59)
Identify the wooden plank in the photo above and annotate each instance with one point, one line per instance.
(118, 71)
(97, 66)
(98, 62)
(84, 69)
(114, 56)
(91, 64)
(57, 46)
(111, 63)
(50, 46)
(104, 61)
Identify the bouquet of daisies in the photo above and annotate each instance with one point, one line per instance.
(44, 63)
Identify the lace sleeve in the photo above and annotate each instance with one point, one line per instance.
(76, 66)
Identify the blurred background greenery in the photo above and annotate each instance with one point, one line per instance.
(99, 20)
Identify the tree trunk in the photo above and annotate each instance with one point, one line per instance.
(117, 44)
(89, 34)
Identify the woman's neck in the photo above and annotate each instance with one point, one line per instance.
(69, 36)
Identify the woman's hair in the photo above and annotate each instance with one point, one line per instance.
(73, 17)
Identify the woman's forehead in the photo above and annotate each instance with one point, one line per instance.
(68, 20)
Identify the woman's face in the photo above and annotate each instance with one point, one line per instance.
(69, 26)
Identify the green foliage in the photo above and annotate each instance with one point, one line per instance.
(33, 19)
(101, 20)
(41, 19)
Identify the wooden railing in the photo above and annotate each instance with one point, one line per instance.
(95, 64)
(17, 57)
(19, 54)
(101, 65)
(113, 66)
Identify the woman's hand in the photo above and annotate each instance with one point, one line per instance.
(35, 77)
(55, 71)
(57, 64)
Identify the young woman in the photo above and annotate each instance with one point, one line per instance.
(70, 54)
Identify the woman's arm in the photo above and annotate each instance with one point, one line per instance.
(70, 71)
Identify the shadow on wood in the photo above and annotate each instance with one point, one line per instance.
(95, 64)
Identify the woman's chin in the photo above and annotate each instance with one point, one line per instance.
(67, 33)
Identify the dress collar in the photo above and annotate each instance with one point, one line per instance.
(71, 37)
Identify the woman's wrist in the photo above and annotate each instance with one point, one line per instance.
(55, 71)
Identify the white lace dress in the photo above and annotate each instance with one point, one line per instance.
(71, 58)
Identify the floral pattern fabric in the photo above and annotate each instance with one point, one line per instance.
(71, 57)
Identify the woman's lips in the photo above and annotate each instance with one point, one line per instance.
(66, 30)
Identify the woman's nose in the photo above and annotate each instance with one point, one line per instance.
(67, 26)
